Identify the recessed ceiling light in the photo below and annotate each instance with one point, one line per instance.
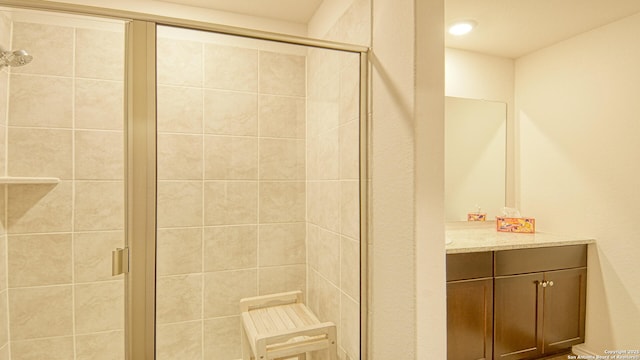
(461, 27)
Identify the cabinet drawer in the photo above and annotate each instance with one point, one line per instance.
(522, 261)
(469, 266)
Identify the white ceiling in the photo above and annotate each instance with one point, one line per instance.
(297, 11)
(507, 28)
(512, 28)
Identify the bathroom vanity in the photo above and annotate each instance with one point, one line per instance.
(513, 296)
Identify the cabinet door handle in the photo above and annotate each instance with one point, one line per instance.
(550, 282)
(542, 283)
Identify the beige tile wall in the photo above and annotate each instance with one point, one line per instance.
(231, 190)
(65, 120)
(333, 205)
(5, 42)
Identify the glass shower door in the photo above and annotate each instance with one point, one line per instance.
(62, 198)
(258, 187)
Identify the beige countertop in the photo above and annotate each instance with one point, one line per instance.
(465, 237)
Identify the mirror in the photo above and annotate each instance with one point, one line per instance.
(475, 157)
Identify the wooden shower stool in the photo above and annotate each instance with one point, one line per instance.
(280, 326)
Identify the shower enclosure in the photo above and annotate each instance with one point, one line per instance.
(227, 164)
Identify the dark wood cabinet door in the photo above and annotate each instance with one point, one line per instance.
(564, 309)
(518, 317)
(470, 319)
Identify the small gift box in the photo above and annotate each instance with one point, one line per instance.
(476, 216)
(516, 224)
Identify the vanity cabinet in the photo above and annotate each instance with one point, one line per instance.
(470, 306)
(515, 304)
(539, 301)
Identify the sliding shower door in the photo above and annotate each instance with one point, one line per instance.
(258, 187)
(62, 186)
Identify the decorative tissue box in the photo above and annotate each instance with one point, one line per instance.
(517, 225)
(475, 216)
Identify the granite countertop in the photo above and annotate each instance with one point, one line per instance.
(465, 237)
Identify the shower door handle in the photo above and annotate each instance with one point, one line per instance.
(120, 261)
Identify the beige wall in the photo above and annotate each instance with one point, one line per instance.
(577, 110)
(65, 120)
(485, 77)
(5, 42)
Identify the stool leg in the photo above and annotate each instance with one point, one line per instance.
(333, 343)
(246, 349)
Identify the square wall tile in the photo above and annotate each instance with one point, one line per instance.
(322, 116)
(282, 116)
(230, 247)
(349, 88)
(179, 157)
(92, 255)
(102, 346)
(282, 159)
(4, 318)
(99, 104)
(100, 54)
(180, 109)
(3, 216)
(350, 327)
(350, 267)
(350, 208)
(179, 251)
(282, 74)
(279, 279)
(179, 204)
(230, 203)
(50, 45)
(282, 244)
(230, 158)
(4, 87)
(282, 202)
(230, 68)
(324, 299)
(349, 142)
(99, 155)
(179, 298)
(230, 113)
(324, 255)
(329, 155)
(323, 68)
(37, 260)
(3, 266)
(40, 101)
(99, 307)
(313, 254)
(222, 338)
(324, 204)
(59, 348)
(40, 152)
(179, 341)
(223, 291)
(5, 29)
(40, 312)
(39, 208)
(179, 62)
(99, 205)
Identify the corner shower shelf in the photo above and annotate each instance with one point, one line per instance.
(18, 180)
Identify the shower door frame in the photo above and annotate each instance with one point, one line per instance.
(140, 157)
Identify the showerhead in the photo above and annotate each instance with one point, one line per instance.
(14, 58)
